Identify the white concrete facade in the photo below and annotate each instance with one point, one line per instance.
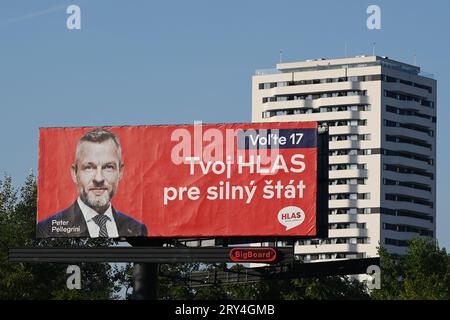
(382, 164)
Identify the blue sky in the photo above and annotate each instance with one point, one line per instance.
(151, 62)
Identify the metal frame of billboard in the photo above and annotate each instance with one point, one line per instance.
(135, 254)
(292, 271)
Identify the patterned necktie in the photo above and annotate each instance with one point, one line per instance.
(101, 220)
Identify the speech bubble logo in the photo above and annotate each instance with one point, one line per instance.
(291, 217)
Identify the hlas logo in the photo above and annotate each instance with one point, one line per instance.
(291, 217)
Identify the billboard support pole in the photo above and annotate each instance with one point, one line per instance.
(145, 275)
(145, 286)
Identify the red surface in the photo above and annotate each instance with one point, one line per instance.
(253, 254)
(148, 169)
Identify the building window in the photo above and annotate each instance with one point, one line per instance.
(407, 170)
(407, 184)
(395, 242)
(410, 199)
(401, 139)
(406, 213)
(407, 97)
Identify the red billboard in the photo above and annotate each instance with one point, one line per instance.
(210, 180)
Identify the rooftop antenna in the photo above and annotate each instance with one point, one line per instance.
(415, 59)
(373, 48)
(281, 56)
(346, 55)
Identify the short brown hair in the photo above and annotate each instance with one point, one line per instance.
(100, 135)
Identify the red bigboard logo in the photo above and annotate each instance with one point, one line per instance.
(253, 254)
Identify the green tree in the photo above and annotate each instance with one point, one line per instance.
(173, 281)
(176, 286)
(317, 288)
(44, 280)
(423, 273)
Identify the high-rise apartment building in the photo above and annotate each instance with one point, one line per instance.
(381, 115)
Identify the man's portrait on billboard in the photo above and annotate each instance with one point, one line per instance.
(96, 172)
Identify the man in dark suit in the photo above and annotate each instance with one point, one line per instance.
(97, 170)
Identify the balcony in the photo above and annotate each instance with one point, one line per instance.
(325, 116)
(402, 205)
(347, 233)
(408, 147)
(404, 104)
(315, 88)
(316, 103)
(343, 188)
(408, 177)
(353, 173)
(346, 130)
(325, 248)
(345, 144)
(408, 191)
(405, 132)
(408, 221)
(409, 119)
(398, 235)
(410, 162)
(406, 89)
(344, 203)
(343, 218)
(344, 159)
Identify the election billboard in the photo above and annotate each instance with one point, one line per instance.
(179, 181)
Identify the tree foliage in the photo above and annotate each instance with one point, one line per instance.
(44, 280)
(333, 287)
(423, 273)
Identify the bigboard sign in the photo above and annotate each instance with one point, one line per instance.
(178, 181)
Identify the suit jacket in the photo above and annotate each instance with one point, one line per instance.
(71, 223)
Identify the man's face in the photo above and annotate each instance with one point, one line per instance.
(97, 172)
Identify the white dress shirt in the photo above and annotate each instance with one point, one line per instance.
(93, 228)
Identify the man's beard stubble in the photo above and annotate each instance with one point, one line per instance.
(99, 204)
